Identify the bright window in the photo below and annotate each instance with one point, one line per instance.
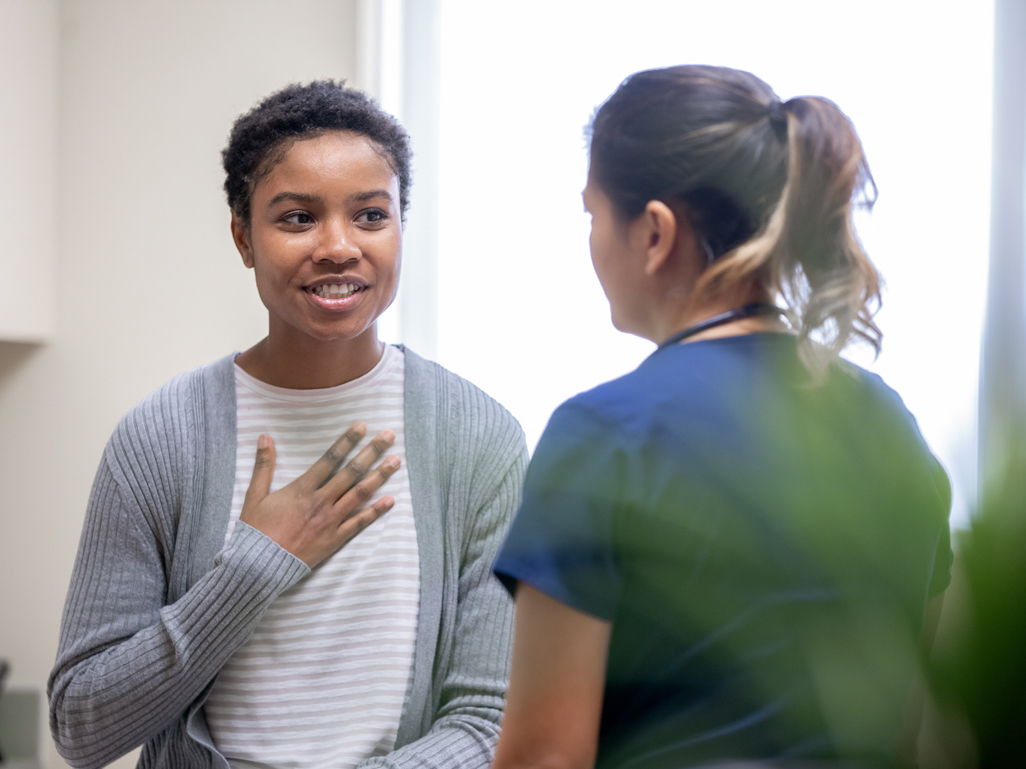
(520, 311)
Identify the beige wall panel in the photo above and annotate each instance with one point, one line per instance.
(28, 167)
(148, 281)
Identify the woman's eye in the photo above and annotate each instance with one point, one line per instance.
(373, 216)
(298, 217)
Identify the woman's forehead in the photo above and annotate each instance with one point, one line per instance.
(336, 158)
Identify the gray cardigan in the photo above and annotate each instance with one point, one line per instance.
(158, 602)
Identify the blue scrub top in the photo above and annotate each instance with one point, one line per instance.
(764, 549)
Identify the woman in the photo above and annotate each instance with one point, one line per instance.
(236, 601)
(725, 554)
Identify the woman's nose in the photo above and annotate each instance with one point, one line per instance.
(337, 246)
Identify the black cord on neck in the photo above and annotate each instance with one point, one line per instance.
(749, 310)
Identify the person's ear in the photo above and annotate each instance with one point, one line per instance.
(243, 239)
(660, 226)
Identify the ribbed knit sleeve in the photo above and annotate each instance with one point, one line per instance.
(128, 666)
(486, 459)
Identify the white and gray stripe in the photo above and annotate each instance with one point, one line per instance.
(323, 679)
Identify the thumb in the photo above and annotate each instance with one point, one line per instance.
(263, 471)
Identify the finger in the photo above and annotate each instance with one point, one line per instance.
(263, 471)
(361, 520)
(353, 500)
(358, 466)
(339, 450)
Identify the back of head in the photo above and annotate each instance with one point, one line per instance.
(768, 186)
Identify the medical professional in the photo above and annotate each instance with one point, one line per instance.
(725, 555)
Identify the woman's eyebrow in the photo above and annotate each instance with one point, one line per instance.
(359, 197)
(298, 197)
(302, 197)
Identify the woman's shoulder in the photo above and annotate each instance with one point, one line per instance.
(460, 397)
(159, 425)
(163, 404)
(871, 400)
(613, 405)
(472, 420)
(611, 416)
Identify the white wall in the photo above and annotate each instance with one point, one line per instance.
(147, 280)
(28, 159)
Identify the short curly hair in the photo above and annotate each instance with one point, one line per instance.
(259, 139)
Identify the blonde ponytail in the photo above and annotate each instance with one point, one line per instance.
(808, 252)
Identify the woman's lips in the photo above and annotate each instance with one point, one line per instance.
(328, 297)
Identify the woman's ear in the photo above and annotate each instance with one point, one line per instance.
(243, 242)
(659, 226)
(671, 240)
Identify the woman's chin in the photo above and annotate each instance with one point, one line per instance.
(313, 332)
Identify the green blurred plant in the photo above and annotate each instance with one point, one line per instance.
(977, 672)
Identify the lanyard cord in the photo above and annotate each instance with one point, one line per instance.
(755, 308)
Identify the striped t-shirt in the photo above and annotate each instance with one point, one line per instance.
(323, 680)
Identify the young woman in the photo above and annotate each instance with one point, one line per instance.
(238, 599)
(724, 555)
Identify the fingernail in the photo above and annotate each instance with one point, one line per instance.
(392, 462)
(388, 435)
(360, 427)
(263, 442)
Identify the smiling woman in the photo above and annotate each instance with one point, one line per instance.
(325, 240)
(227, 606)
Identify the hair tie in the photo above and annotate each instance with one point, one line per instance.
(777, 114)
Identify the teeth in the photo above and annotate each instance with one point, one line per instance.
(334, 291)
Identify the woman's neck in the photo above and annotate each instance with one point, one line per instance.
(676, 318)
(300, 363)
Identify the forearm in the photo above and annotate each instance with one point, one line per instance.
(556, 686)
(463, 741)
(118, 682)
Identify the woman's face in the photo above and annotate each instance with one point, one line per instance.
(614, 260)
(325, 238)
